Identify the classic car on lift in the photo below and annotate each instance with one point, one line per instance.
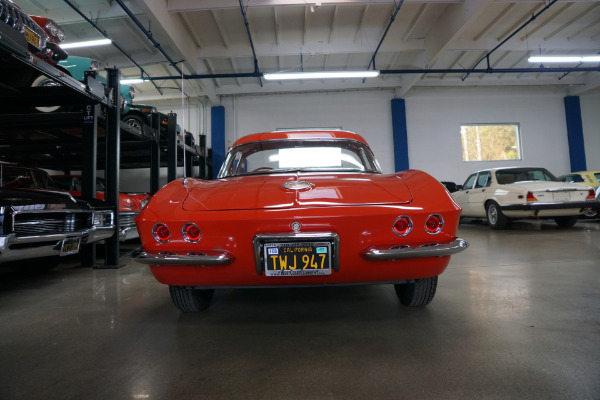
(76, 67)
(41, 225)
(130, 204)
(42, 36)
(300, 208)
(504, 194)
(139, 116)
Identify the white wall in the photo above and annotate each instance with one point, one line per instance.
(434, 116)
(364, 112)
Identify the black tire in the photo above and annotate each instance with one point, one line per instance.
(495, 218)
(566, 222)
(135, 121)
(189, 300)
(418, 293)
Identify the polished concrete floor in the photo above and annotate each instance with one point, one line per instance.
(516, 316)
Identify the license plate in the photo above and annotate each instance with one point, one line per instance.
(32, 37)
(69, 246)
(561, 196)
(297, 258)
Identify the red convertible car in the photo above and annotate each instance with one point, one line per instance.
(300, 208)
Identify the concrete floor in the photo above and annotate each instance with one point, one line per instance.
(516, 316)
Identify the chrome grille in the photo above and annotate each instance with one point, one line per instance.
(13, 16)
(127, 219)
(36, 223)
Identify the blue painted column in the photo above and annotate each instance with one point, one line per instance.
(400, 134)
(217, 132)
(575, 134)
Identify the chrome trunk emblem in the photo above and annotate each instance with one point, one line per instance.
(297, 185)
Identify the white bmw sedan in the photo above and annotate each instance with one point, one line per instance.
(503, 194)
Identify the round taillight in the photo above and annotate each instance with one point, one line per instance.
(434, 224)
(403, 225)
(190, 232)
(161, 233)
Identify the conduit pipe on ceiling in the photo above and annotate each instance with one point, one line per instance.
(251, 42)
(487, 56)
(405, 71)
(372, 62)
(149, 36)
(103, 33)
(490, 70)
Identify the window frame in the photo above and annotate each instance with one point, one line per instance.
(485, 124)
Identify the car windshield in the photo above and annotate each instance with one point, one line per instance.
(17, 177)
(512, 175)
(275, 156)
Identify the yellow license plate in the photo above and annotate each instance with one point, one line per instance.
(32, 37)
(69, 246)
(297, 259)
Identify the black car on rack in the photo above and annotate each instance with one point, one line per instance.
(140, 116)
(37, 223)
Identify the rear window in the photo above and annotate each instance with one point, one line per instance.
(299, 155)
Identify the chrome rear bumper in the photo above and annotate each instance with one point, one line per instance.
(428, 250)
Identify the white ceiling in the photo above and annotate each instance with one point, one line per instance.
(210, 37)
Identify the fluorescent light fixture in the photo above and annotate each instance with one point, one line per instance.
(321, 75)
(564, 59)
(131, 81)
(89, 43)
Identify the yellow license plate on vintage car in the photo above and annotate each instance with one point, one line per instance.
(297, 258)
(32, 37)
(69, 246)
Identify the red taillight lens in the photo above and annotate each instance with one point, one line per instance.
(531, 197)
(402, 226)
(190, 232)
(434, 224)
(591, 195)
(161, 233)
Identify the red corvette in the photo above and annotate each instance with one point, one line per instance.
(300, 208)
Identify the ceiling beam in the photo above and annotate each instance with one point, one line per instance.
(195, 5)
(180, 40)
(267, 49)
(446, 30)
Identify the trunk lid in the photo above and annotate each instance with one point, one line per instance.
(322, 190)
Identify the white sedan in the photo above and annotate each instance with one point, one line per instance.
(503, 194)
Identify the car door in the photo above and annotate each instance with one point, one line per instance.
(479, 194)
(462, 196)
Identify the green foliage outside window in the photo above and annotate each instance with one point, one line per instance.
(490, 142)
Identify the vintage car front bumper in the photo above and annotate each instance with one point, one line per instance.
(15, 248)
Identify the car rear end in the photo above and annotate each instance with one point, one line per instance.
(316, 242)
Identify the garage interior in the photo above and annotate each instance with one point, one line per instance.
(516, 315)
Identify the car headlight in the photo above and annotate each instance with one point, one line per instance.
(144, 202)
(55, 30)
(94, 65)
(131, 92)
